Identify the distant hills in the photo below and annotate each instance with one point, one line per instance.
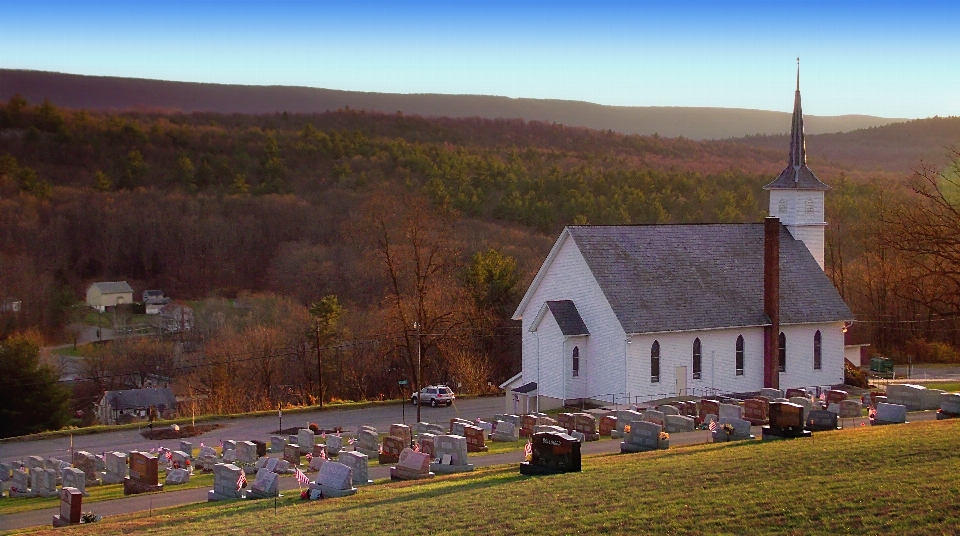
(113, 93)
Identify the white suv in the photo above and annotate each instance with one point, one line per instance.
(435, 394)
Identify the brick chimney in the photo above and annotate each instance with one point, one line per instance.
(771, 301)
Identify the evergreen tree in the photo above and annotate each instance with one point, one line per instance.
(31, 399)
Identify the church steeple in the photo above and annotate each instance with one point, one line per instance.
(798, 149)
(796, 195)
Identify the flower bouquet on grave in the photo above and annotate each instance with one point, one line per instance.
(304, 495)
(663, 441)
(89, 517)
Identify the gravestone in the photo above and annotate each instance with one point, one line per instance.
(71, 500)
(206, 459)
(905, 395)
(334, 480)
(795, 392)
(403, 432)
(390, 450)
(527, 424)
(265, 485)
(549, 428)
(261, 447)
(6, 472)
(608, 425)
(225, 483)
(456, 426)
(35, 462)
(295, 438)
(181, 460)
(334, 445)
(450, 451)
(246, 452)
(770, 393)
(306, 438)
(586, 424)
(755, 411)
(890, 414)
(654, 416)
(487, 427)
(930, 398)
(87, 463)
(20, 483)
(367, 442)
(821, 420)
(144, 474)
(427, 428)
(412, 465)
(74, 478)
(505, 431)
(277, 443)
(709, 407)
(849, 409)
(566, 421)
(679, 423)
(427, 444)
(43, 482)
(668, 409)
(643, 436)
(291, 453)
(730, 411)
(875, 400)
(786, 422)
(186, 446)
(804, 402)
(552, 453)
(475, 439)
(358, 464)
(949, 406)
(177, 476)
(835, 396)
(740, 430)
(229, 445)
(625, 417)
(116, 463)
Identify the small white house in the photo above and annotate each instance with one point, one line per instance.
(631, 313)
(109, 294)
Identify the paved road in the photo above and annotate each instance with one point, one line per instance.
(145, 503)
(258, 428)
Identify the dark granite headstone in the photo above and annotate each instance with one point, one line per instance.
(390, 450)
(552, 453)
(755, 411)
(144, 474)
(70, 507)
(708, 407)
(820, 420)
(786, 421)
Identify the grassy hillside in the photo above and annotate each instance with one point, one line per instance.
(892, 480)
(112, 93)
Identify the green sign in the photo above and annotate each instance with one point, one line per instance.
(402, 382)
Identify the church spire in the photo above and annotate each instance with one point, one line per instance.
(798, 149)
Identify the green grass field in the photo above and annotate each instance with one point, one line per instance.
(899, 479)
(950, 387)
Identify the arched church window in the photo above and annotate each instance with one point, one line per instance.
(783, 352)
(697, 359)
(655, 362)
(740, 355)
(817, 352)
(782, 206)
(576, 361)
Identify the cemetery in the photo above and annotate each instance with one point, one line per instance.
(439, 450)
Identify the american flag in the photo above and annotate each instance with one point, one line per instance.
(352, 441)
(713, 426)
(323, 434)
(528, 450)
(301, 477)
(242, 481)
(872, 414)
(416, 447)
(323, 454)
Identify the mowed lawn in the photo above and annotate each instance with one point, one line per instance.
(898, 479)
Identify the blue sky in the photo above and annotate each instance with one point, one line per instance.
(877, 58)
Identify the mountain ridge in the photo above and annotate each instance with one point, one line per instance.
(117, 93)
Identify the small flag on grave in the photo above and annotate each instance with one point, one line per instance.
(416, 447)
(301, 477)
(528, 450)
(713, 426)
(242, 481)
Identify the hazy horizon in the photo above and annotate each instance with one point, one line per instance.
(878, 59)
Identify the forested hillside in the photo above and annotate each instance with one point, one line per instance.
(358, 225)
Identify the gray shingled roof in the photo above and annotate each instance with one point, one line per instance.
(686, 277)
(113, 287)
(141, 398)
(801, 178)
(568, 318)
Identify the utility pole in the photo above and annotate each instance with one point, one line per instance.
(416, 326)
(319, 369)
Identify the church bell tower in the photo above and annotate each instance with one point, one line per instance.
(796, 195)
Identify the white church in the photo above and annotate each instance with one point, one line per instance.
(632, 313)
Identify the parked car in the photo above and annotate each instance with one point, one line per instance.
(434, 395)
